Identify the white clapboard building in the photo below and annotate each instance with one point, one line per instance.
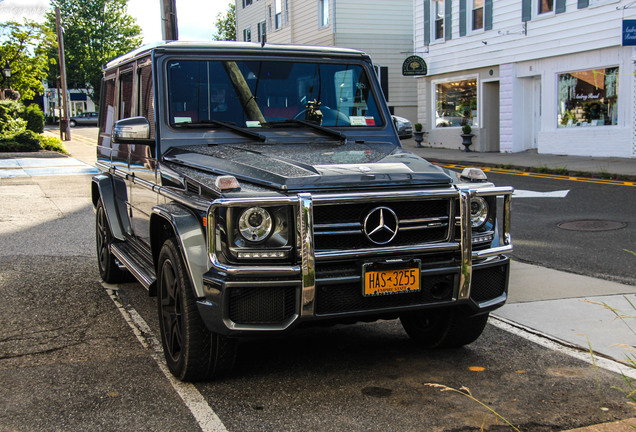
(553, 76)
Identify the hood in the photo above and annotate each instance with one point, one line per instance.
(312, 166)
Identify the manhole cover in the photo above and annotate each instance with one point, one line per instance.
(592, 225)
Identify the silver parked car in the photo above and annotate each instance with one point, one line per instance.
(84, 119)
(404, 127)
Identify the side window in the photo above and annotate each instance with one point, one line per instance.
(125, 94)
(107, 108)
(146, 105)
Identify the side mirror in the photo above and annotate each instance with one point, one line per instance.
(131, 129)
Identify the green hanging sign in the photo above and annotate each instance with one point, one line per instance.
(414, 66)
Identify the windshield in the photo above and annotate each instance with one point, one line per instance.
(257, 93)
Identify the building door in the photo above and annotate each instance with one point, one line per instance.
(531, 118)
(490, 127)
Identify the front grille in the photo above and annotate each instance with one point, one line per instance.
(262, 305)
(340, 226)
(488, 283)
(347, 297)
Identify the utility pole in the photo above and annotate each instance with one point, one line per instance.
(64, 126)
(169, 30)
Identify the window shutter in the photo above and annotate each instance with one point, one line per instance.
(462, 17)
(488, 15)
(526, 10)
(583, 3)
(560, 6)
(384, 81)
(427, 22)
(448, 22)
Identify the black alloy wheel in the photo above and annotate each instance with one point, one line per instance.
(192, 352)
(108, 268)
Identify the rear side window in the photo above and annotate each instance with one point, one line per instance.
(126, 94)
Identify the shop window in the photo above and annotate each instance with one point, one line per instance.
(456, 103)
(588, 98)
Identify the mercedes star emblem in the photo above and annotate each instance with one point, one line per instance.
(381, 225)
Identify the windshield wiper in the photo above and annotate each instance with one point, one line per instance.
(230, 126)
(327, 131)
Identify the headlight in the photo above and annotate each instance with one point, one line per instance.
(255, 224)
(478, 211)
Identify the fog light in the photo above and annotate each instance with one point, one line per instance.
(255, 224)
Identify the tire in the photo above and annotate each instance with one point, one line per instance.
(445, 328)
(192, 352)
(108, 268)
(73, 123)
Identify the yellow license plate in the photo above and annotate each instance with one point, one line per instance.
(394, 281)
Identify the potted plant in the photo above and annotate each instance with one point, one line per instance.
(467, 136)
(418, 134)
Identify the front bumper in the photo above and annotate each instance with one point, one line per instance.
(327, 286)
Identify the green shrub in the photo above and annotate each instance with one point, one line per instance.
(35, 118)
(14, 126)
(25, 141)
(8, 110)
(52, 144)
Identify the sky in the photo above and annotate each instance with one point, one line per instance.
(195, 18)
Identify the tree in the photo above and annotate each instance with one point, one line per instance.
(24, 46)
(95, 32)
(226, 25)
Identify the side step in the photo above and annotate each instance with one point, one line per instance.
(142, 269)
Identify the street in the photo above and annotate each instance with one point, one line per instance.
(71, 357)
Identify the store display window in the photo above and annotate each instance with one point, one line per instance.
(588, 98)
(456, 103)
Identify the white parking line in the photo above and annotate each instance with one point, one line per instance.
(206, 418)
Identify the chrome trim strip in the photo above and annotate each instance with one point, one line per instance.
(492, 252)
(306, 230)
(466, 244)
(435, 247)
(394, 196)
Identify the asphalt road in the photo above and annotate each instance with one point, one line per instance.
(589, 231)
(70, 361)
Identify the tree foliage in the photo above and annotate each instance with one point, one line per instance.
(95, 32)
(24, 46)
(226, 24)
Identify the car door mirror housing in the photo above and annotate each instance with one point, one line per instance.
(132, 129)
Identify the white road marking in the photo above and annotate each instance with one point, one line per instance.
(563, 347)
(520, 193)
(206, 418)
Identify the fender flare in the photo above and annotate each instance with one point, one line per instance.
(189, 233)
(102, 187)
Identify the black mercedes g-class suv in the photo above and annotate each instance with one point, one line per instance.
(254, 189)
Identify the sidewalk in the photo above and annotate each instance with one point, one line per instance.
(580, 166)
